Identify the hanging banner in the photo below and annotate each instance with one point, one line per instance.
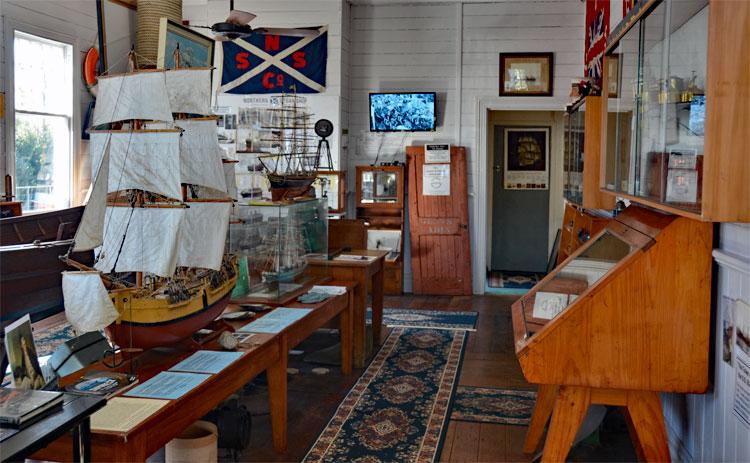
(597, 30)
(275, 63)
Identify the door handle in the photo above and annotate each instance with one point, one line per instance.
(497, 168)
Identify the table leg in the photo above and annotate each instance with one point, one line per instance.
(545, 402)
(85, 435)
(570, 409)
(359, 317)
(645, 410)
(377, 305)
(277, 397)
(76, 444)
(345, 331)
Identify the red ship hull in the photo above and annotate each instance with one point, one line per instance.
(127, 335)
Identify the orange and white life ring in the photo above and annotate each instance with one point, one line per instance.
(90, 69)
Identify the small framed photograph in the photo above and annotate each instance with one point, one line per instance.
(526, 74)
(196, 50)
(612, 65)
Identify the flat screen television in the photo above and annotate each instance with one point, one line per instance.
(402, 112)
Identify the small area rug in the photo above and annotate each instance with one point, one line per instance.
(399, 409)
(512, 280)
(490, 405)
(435, 319)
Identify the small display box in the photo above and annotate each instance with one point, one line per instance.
(274, 241)
(628, 314)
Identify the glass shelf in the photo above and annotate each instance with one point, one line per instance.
(655, 124)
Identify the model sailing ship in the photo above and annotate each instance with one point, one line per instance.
(158, 213)
(292, 171)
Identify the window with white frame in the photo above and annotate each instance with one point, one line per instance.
(43, 122)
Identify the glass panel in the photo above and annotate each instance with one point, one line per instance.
(573, 189)
(573, 279)
(620, 133)
(379, 187)
(660, 156)
(327, 186)
(42, 162)
(42, 75)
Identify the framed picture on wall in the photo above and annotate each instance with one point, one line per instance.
(526, 158)
(196, 50)
(612, 64)
(526, 74)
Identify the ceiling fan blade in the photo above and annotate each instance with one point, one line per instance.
(240, 17)
(289, 32)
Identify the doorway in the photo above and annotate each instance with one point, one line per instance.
(522, 219)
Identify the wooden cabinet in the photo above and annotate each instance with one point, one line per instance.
(675, 134)
(380, 204)
(627, 315)
(579, 225)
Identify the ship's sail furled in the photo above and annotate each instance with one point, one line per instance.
(200, 154)
(189, 91)
(147, 161)
(141, 95)
(140, 239)
(203, 235)
(87, 304)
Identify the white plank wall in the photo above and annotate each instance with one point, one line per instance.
(702, 427)
(75, 19)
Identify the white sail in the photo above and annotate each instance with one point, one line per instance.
(89, 234)
(141, 95)
(145, 161)
(230, 179)
(200, 154)
(189, 91)
(203, 235)
(98, 144)
(140, 239)
(87, 304)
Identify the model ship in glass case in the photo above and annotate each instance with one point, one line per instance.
(273, 241)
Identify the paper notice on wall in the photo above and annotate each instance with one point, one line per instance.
(437, 153)
(436, 180)
(742, 388)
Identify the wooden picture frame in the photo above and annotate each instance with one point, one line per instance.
(367, 199)
(339, 190)
(612, 68)
(196, 50)
(526, 74)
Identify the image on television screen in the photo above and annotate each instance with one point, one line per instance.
(408, 112)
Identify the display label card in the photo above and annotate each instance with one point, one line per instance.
(207, 361)
(683, 159)
(742, 388)
(682, 186)
(436, 179)
(275, 321)
(548, 305)
(169, 385)
(121, 414)
(437, 153)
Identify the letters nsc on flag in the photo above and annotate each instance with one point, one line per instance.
(275, 64)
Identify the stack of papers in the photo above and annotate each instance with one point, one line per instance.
(121, 414)
(329, 290)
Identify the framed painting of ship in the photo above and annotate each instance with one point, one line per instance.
(526, 74)
(526, 158)
(196, 50)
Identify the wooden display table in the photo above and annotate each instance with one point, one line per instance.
(633, 320)
(365, 273)
(264, 352)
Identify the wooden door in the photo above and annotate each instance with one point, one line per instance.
(439, 228)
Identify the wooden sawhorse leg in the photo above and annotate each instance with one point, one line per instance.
(643, 407)
(545, 402)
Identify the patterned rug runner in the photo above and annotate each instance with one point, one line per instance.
(512, 280)
(490, 405)
(398, 410)
(435, 319)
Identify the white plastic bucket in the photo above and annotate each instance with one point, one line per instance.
(197, 443)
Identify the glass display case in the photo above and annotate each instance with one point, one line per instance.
(655, 143)
(273, 241)
(379, 186)
(331, 184)
(574, 144)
